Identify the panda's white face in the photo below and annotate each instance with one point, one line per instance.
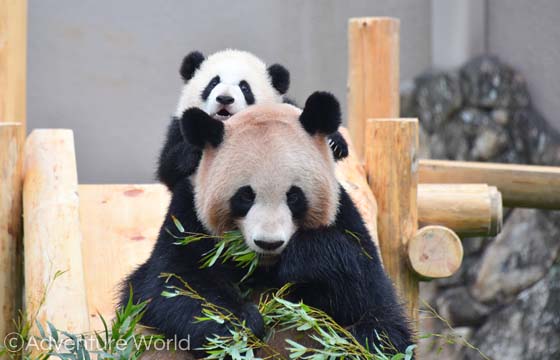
(226, 83)
(268, 178)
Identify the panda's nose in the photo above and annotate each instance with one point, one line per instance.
(225, 99)
(269, 245)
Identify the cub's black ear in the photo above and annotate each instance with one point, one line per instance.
(199, 128)
(321, 113)
(190, 63)
(280, 78)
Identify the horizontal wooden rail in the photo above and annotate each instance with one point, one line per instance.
(526, 186)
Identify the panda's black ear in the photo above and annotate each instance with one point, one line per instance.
(321, 114)
(280, 78)
(200, 129)
(190, 63)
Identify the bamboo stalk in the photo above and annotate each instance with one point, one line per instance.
(521, 185)
(52, 231)
(373, 74)
(391, 167)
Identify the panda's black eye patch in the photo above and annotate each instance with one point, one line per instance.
(211, 85)
(241, 202)
(247, 92)
(297, 202)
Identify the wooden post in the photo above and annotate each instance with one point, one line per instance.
(52, 231)
(373, 74)
(521, 185)
(435, 252)
(391, 166)
(11, 137)
(13, 45)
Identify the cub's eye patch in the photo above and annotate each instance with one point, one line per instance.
(247, 92)
(297, 202)
(211, 85)
(242, 201)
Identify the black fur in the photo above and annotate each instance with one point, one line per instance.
(321, 114)
(331, 269)
(247, 92)
(297, 202)
(280, 78)
(190, 64)
(242, 201)
(200, 129)
(208, 89)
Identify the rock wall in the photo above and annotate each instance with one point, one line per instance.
(505, 300)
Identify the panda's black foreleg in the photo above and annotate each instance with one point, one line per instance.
(338, 146)
(177, 159)
(175, 317)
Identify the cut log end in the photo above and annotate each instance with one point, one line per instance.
(435, 252)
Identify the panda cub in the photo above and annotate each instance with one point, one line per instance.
(269, 172)
(222, 85)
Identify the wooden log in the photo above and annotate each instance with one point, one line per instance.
(11, 144)
(391, 165)
(468, 209)
(13, 46)
(351, 174)
(52, 238)
(373, 74)
(521, 185)
(127, 218)
(435, 252)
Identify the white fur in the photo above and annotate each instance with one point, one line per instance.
(232, 66)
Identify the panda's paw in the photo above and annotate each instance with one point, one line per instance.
(338, 145)
(253, 319)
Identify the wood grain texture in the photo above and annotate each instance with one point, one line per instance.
(520, 185)
(116, 220)
(435, 252)
(468, 209)
(11, 145)
(53, 239)
(351, 174)
(391, 165)
(373, 74)
(13, 46)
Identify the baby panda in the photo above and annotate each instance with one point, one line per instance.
(222, 85)
(269, 172)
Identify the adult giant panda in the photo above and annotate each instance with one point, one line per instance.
(222, 85)
(268, 171)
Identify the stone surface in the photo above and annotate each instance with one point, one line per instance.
(527, 329)
(488, 83)
(519, 257)
(458, 307)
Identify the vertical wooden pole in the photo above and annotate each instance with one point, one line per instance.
(373, 74)
(11, 138)
(392, 169)
(13, 45)
(53, 239)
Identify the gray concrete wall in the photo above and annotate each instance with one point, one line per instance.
(108, 70)
(526, 34)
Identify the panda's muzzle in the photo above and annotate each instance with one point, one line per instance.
(269, 245)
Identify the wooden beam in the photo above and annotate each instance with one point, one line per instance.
(11, 144)
(435, 252)
(521, 185)
(373, 74)
(391, 166)
(13, 46)
(468, 209)
(52, 240)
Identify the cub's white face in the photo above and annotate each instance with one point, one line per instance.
(226, 83)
